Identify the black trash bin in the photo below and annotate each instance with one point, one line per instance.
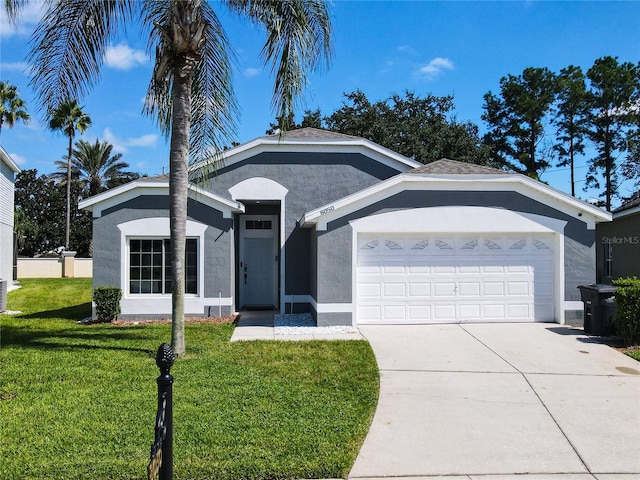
(597, 300)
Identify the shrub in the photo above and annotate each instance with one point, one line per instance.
(107, 301)
(627, 299)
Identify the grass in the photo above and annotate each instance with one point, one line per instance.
(633, 352)
(79, 401)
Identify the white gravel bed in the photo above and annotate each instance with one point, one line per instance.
(303, 324)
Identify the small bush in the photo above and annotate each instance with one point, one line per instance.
(627, 319)
(107, 300)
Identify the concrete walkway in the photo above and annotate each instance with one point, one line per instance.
(501, 402)
(258, 325)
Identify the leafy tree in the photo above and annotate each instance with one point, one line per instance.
(570, 118)
(94, 166)
(190, 92)
(418, 127)
(516, 120)
(312, 118)
(68, 117)
(12, 107)
(614, 100)
(39, 207)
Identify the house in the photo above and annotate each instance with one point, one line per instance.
(618, 243)
(8, 169)
(354, 233)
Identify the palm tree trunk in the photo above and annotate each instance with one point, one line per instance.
(68, 228)
(178, 187)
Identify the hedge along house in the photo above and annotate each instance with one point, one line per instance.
(354, 233)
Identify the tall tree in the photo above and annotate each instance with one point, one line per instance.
(614, 101)
(516, 120)
(422, 128)
(12, 108)
(95, 168)
(570, 118)
(68, 118)
(40, 209)
(191, 91)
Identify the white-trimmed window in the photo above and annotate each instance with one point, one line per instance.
(608, 260)
(150, 266)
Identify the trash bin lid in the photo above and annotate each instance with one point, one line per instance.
(598, 287)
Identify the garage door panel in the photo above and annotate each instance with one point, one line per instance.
(517, 288)
(470, 312)
(493, 288)
(469, 289)
(445, 313)
(419, 289)
(447, 280)
(395, 313)
(419, 313)
(371, 290)
(394, 290)
(444, 289)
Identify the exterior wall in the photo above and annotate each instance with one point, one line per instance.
(216, 252)
(334, 264)
(52, 267)
(623, 235)
(312, 180)
(6, 222)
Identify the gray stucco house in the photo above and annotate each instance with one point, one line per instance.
(618, 243)
(8, 170)
(353, 233)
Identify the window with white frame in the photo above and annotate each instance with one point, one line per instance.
(150, 266)
(608, 260)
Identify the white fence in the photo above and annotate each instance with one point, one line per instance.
(53, 267)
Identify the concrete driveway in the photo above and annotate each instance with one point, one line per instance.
(498, 401)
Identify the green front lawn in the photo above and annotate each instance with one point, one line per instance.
(79, 401)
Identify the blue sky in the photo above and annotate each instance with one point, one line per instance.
(381, 47)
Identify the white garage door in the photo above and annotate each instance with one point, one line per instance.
(451, 279)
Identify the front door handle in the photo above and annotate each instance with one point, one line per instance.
(245, 273)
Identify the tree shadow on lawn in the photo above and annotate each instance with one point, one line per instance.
(75, 312)
(74, 339)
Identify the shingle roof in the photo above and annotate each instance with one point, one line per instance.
(633, 202)
(453, 167)
(309, 132)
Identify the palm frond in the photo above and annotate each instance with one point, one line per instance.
(213, 105)
(298, 41)
(69, 45)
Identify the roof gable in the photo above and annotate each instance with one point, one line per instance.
(306, 140)
(487, 181)
(156, 186)
(6, 158)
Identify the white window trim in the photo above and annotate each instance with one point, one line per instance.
(156, 228)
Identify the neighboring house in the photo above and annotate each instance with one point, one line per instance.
(8, 169)
(353, 233)
(618, 243)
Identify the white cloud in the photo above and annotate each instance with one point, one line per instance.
(19, 159)
(121, 145)
(19, 67)
(29, 17)
(252, 72)
(406, 49)
(123, 57)
(435, 67)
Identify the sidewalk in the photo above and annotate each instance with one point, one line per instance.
(258, 325)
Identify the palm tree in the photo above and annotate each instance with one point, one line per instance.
(12, 107)
(68, 118)
(95, 167)
(191, 91)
